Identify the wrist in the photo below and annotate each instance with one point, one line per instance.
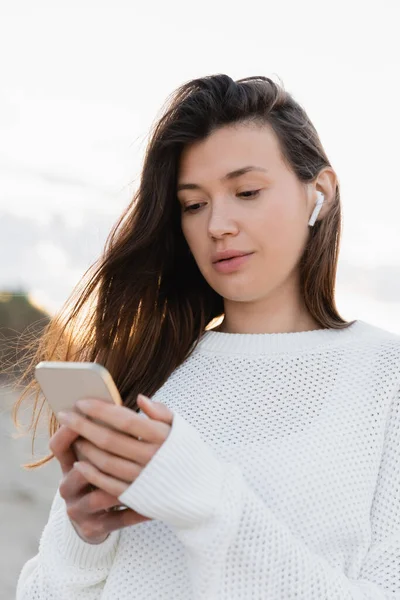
(94, 540)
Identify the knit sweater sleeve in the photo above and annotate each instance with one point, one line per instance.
(238, 548)
(66, 567)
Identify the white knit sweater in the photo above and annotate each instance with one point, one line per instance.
(280, 480)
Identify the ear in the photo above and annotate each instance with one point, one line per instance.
(325, 182)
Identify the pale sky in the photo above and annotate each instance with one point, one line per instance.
(82, 82)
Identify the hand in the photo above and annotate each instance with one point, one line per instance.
(87, 510)
(119, 450)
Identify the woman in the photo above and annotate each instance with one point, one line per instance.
(268, 464)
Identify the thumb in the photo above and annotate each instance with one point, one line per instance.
(155, 410)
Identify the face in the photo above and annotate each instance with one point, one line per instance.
(263, 213)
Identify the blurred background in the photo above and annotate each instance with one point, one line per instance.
(81, 84)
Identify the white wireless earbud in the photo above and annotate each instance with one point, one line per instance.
(318, 205)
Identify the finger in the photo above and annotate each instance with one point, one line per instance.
(73, 485)
(113, 442)
(60, 445)
(120, 418)
(100, 524)
(111, 485)
(155, 410)
(95, 502)
(120, 468)
(123, 518)
(120, 446)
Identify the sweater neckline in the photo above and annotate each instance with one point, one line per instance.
(268, 343)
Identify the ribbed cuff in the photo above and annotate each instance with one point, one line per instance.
(182, 483)
(77, 552)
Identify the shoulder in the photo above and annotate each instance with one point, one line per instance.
(386, 345)
(376, 350)
(378, 336)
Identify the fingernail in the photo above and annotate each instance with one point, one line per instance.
(80, 466)
(145, 398)
(63, 417)
(83, 404)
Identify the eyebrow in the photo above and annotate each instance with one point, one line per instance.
(228, 176)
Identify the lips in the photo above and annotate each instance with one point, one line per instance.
(232, 264)
(229, 258)
(228, 255)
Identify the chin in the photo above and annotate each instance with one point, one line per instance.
(240, 297)
(235, 287)
(238, 293)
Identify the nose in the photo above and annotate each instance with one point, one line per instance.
(221, 221)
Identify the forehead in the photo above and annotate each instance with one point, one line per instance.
(228, 148)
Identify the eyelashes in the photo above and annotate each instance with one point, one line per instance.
(192, 208)
(254, 192)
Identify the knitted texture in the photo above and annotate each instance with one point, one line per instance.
(280, 479)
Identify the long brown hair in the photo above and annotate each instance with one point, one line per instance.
(143, 305)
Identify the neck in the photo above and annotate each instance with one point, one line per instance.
(285, 312)
(301, 325)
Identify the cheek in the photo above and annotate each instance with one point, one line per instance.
(193, 237)
(282, 232)
(272, 227)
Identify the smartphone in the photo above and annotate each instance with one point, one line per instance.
(63, 383)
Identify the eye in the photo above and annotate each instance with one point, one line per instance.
(192, 207)
(195, 207)
(253, 193)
